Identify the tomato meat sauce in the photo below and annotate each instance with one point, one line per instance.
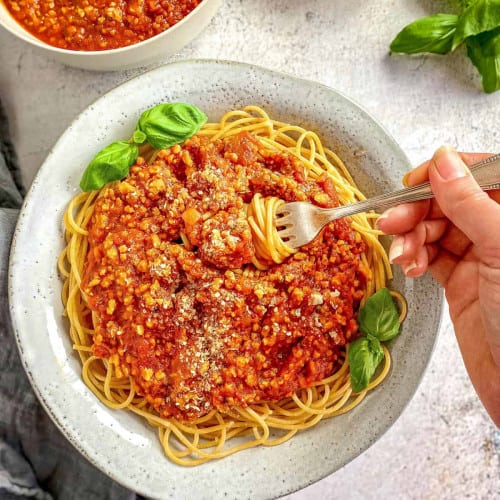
(87, 25)
(179, 306)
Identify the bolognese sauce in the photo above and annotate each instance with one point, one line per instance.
(179, 307)
(87, 25)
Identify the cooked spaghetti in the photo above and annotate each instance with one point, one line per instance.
(187, 309)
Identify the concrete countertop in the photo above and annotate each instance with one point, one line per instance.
(444, 445)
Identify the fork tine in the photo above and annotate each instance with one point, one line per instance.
(288, 232)
(283, 211)
(293, 241)
(284, 221)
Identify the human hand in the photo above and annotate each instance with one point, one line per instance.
(456, 236)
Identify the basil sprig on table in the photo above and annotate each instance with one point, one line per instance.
(379, 322)
(161, 126)
(477, 26)
(433, 34)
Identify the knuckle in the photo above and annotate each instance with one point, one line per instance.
(464, 194)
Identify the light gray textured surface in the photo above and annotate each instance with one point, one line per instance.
(444, 445)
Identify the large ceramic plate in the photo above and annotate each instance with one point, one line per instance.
(116, 441)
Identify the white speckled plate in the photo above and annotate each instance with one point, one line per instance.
(116, 441)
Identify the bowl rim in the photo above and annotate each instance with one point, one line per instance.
(25, 35)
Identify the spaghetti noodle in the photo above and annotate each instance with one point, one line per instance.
(288, 370)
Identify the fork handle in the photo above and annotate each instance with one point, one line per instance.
(486, 173)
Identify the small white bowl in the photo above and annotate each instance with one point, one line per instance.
(159, 46)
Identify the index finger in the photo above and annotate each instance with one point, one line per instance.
(420, 174)
(405, 217)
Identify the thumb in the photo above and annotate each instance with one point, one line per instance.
(462, 200)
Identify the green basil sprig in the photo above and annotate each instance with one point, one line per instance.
(477, 26)
(365, 354)
(162, 126)
(430, 34)
(379, 320)
(479, 17)
(110, 164)
(379, 316)
(168, 124)
(484, 52)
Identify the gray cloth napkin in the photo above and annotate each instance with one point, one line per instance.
(36, 460)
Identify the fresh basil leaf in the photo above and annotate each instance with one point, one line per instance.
(484, 52)
(111, 164)
(364, 355)
(429, 34)
(466, 3)
(479, 17)
(167, 124)
(379, 316)
(139, 137)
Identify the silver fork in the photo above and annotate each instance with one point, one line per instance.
(299, 222)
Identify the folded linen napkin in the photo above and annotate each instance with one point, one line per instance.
(36, 460)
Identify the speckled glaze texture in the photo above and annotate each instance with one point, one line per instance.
(119, 443)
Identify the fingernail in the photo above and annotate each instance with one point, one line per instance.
(448, 164)
(383, 216)
(397, 248)
(409, 267)
(405, 179)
